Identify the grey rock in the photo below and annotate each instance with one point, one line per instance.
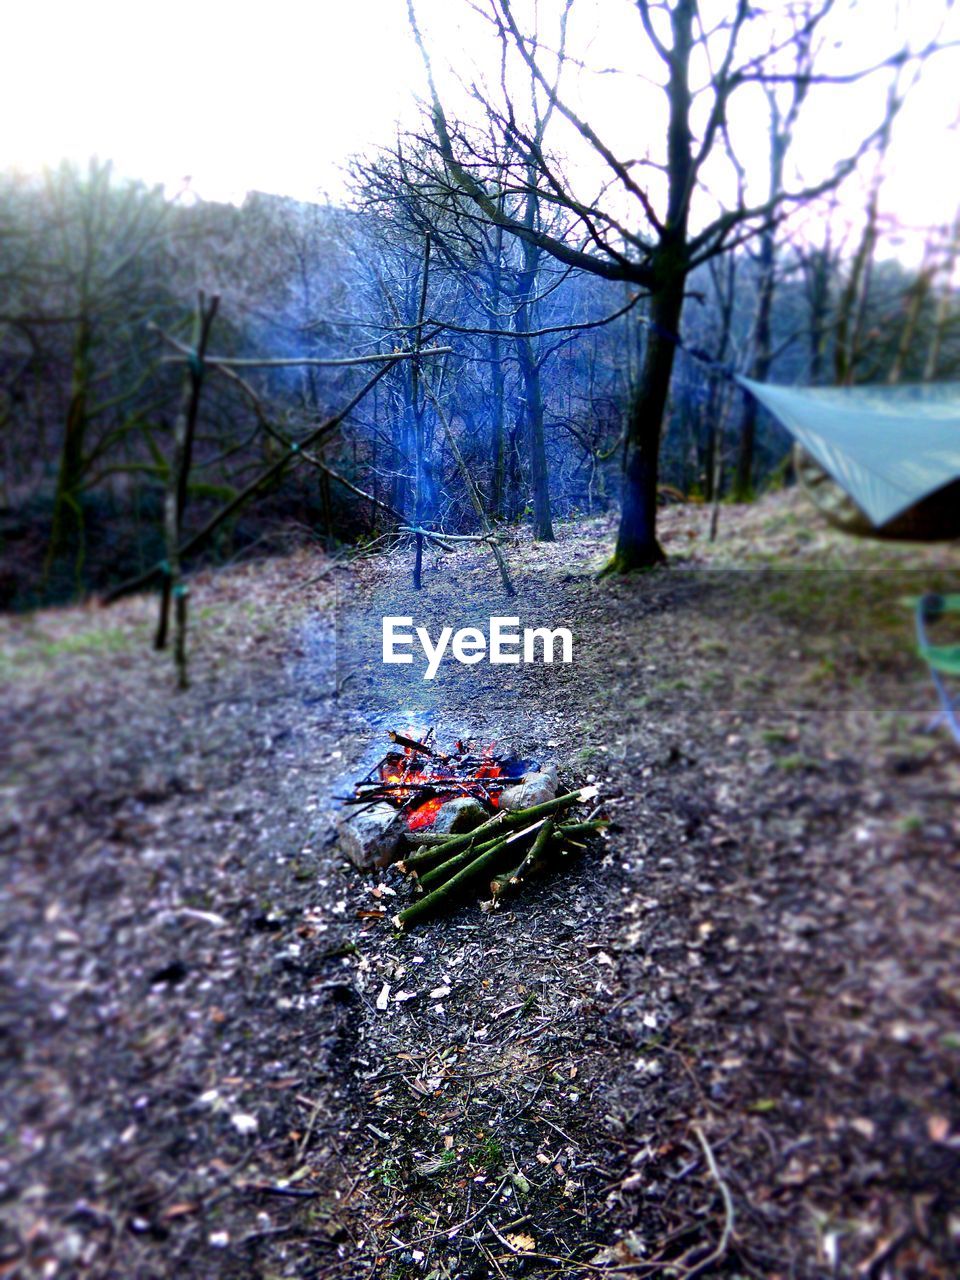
(535, 788)
(371, 837)
(462, 814)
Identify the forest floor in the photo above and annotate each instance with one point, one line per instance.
(726, 1042)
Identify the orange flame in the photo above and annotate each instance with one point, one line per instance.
(407, 769)
(426, 814)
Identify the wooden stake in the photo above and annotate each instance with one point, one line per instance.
(417, 410)
(178, 487)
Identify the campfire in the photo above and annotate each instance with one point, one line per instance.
(447, 818)
(420, 780)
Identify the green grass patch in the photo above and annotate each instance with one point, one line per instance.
(42, 651)
(797, 763)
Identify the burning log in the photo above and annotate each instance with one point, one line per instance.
(411, 744)
(426, 782)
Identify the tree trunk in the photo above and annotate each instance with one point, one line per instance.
(942, 314)
(853, 300)
(743, 476)
(762, 333)
(709, 458)
(532, 390)
(497, 442)
(326, 503)
(536, 444)
(66, 534)
(918, 295)
(818, 292)
(512, 478)
(637, 546)
(416, 410)
(498, 409)
(400, 483)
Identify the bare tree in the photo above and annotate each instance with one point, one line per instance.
(784, 103)
(505, 281)
(102, 236)
(658, 244)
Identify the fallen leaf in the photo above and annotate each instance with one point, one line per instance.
(938, 1128)
(866, 1128)
(179, 1210)
(520, 1241)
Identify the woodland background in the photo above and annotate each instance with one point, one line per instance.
(94, 266)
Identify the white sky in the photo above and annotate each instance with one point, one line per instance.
(276, 96)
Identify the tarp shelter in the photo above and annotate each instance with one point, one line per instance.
(888, 447)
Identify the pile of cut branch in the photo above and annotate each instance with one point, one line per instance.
(504, 851)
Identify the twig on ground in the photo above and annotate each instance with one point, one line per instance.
(728, 1223)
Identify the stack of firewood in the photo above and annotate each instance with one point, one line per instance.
(503, 852)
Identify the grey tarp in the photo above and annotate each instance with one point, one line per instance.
(886, 446)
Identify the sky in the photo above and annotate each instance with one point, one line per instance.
(277, 96)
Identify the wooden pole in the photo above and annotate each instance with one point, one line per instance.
(178, 479)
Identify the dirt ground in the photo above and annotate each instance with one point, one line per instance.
(725, 1041)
